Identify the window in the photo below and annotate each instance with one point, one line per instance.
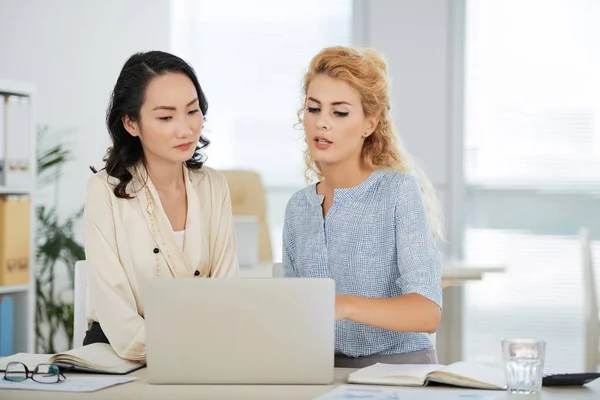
(532, 170)
(250, 58)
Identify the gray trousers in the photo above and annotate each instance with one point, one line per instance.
(427, 356)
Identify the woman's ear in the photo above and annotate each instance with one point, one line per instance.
(370, 124)
(130, 125)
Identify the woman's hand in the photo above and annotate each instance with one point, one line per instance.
(343, 304)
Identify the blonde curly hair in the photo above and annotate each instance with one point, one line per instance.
(365, 70)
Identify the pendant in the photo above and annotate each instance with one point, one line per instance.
(150, 207)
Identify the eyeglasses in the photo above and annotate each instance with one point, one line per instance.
(43, 373)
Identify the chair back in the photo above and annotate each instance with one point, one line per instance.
(592, 321)
(80, 304)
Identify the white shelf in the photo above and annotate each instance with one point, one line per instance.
(16, 88)
(14, 289)
(5, 191)
(23, 295)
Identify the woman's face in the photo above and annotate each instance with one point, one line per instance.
(334, 121)
(170, 121)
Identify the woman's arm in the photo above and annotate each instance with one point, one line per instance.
(108, 286)
(407, 313)
(289, 266)
(418, 309)
(224, 262)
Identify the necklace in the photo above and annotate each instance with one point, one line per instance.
(154, 229)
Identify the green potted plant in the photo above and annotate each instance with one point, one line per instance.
(56, 248)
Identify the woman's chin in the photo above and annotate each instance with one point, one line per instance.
(182, 157)
(326, 161)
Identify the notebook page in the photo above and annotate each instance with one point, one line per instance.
(30, 360)
(99, 356)
(394, 374)
(477, 372)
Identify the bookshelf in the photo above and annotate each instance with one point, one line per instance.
(22, 295)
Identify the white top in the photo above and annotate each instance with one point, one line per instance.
(179, 235)
(119, 247)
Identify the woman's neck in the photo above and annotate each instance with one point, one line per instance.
(342, 176)
(165, 176)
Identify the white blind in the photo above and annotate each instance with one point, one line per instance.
(533, 92)
(250, 57)
(532, 118)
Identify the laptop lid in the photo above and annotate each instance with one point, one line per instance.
(240, 331)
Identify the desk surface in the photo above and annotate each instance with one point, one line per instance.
(140, 389)
(454, 273)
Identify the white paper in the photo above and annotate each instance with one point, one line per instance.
(359, 392)
(448, 394)
(71, 384)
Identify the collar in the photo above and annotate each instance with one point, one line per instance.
(344, 194)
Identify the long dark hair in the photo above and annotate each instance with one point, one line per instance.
(126, 100)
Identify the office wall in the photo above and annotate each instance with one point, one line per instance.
(421, 41)
(72, 51)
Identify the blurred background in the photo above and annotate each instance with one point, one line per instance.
(498, 99)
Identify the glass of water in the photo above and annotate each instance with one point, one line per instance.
(524, 364)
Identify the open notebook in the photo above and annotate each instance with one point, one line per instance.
(94, 358)
(464, 374)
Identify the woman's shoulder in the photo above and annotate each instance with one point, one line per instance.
(208, 176)
(397, 182)
(302, 199)
(101, 181)
(100, 189)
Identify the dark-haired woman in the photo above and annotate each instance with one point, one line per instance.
(154, 210)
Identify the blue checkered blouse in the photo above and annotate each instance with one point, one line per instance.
(374, 241)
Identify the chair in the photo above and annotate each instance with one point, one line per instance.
(278, 270)
(592, 318)
(248, 198)
(80, 304)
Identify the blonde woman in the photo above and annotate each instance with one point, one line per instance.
(371, 221)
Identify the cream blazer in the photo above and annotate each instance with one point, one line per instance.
(119, 248)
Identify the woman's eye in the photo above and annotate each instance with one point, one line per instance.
(194, 111)
(312, 109)
(165, 118)
(341, 114)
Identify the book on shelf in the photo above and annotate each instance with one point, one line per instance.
(17, 142)
(15, 240)
(3, 100)
(7, 308)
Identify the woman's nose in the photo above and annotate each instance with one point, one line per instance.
(183, 129)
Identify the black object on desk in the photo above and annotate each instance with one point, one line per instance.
(577, 379)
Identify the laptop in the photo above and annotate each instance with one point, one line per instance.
(240, 331)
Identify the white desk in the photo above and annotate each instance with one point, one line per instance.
(140, 389)
(453, 273)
